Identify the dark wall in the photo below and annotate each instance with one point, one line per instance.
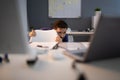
(109, 7)
(38, 13)
(38, 16)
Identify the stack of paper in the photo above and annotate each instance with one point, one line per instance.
(42, 47)
(76, 47)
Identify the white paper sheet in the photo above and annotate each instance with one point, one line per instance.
(39, 45)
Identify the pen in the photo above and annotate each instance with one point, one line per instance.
(56, 46)
(42, 46)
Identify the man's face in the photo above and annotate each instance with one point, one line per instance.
(61, 32)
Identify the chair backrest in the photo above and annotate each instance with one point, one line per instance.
(44, 36)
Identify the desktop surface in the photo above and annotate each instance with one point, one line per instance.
(49, 68)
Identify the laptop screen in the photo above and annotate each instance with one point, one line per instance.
(106, 40)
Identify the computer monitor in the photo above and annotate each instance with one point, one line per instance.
(13, 26)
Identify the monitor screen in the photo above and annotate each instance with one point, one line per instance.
(13, 26)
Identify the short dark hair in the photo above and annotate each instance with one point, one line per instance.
(60, 24)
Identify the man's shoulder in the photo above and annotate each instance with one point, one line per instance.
(65, 39)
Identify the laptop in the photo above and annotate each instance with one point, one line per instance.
(104, 44)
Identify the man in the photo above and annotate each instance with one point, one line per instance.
(61, 27)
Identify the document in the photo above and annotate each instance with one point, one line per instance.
(41, 47)
(76, 47)
(45, 45)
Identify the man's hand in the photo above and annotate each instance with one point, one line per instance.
(32, 33)
(58, 39)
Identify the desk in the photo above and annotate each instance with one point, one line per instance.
(80, 33)
(48, 68)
